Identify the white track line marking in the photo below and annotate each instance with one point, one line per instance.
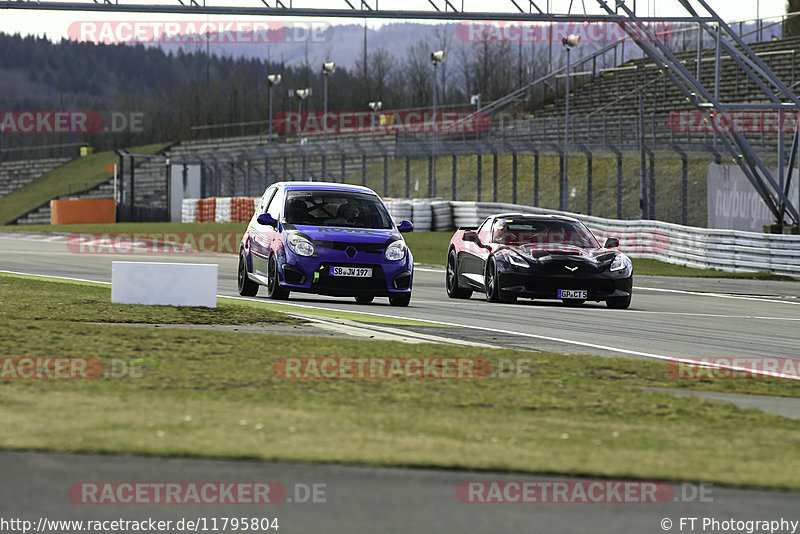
(56, 277)
(718, 295)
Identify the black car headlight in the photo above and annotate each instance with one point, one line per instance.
(300, 245)
(621, 263)
(514, 258)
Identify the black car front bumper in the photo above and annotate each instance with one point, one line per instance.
(544, 283)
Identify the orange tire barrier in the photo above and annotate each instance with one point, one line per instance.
(206, 209)
(242, 209)
(82, 210)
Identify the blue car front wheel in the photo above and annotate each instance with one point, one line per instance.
(247, 288)
(401, 299)
(274, 289)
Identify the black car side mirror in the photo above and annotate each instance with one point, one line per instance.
(266, 219)
(471, 236)
(612, 242)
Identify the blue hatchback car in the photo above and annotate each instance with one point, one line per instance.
(327, 239)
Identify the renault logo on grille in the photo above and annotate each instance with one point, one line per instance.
(350, 251)
(573, 269)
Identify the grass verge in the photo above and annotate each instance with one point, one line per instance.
(213, 393)
(77, 175)
(429, 248)
(42, 300)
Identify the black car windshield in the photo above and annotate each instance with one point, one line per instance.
(542, 233)
(336, 208)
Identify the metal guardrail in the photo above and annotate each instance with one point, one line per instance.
(725, 250)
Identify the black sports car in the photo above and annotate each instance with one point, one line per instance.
(514, 255)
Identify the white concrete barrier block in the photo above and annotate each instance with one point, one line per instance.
(171, 284)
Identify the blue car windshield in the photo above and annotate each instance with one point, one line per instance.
(336, 208)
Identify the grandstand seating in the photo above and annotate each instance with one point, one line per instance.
(599, 103)
(15, 174)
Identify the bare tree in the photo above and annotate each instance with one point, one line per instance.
(418, 72)
(382, 63)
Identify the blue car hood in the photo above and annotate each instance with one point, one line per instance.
(349, 235)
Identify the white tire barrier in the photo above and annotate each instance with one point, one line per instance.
(442, 216)
(399, 210)
(421, 215)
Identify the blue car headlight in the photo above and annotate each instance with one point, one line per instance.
(396, 251)
(300, 245)
(621, 262)
(514, 258)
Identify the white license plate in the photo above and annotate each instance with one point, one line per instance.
(572, 294)
(358, 272)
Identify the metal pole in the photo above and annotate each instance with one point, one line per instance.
(433, 168)
(643, 179)
(270, 114)
(131, 215)
(684, 184)
(453, 178)
(564, 204)
(363, 169)
(385, 176)
(480, 174)
(699, 52)
(652, 202)
(494, 177)
(325, 120)
(535, 178)
(514, 178)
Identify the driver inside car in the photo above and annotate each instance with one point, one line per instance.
(297, 212)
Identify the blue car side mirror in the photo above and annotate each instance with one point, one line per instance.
(405, 226)
(266, 219)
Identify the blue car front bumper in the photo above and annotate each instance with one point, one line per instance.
(313, 274)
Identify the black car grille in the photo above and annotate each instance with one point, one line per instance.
(326, 281)
(568, 266)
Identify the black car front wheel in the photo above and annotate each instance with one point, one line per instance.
(454, 291)
(365, 299)
(619, 303)
(274, 289)
(247, 288)
(491, 281)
